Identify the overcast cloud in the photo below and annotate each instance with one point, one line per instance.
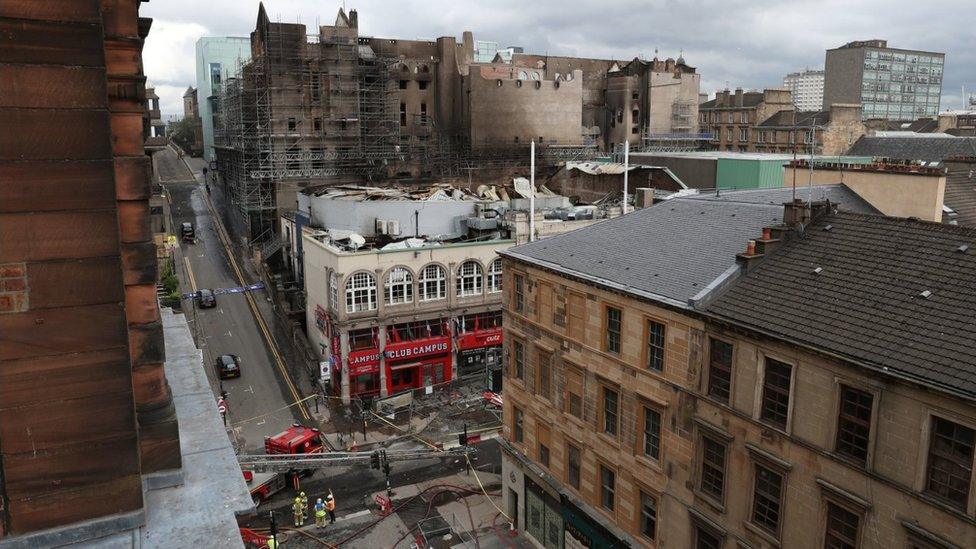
(747, 43)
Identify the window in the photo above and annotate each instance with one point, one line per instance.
(648, 515)
(613, 330)
(403, 114)
(423, 114)
(518, 419)
(808, 138)
(403, 85)
(652, 434)
(518, 359)
(608, 486)
(542, 437)
(776, 393)
(610, 411)
(767, 498)
(519, 293)
(317, 124)
(842, 528)
(655, 345)
(743, 134)
(573, 466)
(292, 124)
(544, 367)
(634, 116)
(761, 137)
(950, 465)
(705, 539)
(728, 135)
(854, 423)
(495, 276)
(469, 279)
(574, 392)
(719, 369)
(743, 117)
(399, 286)
(731, 118)
(360, 293)
(422, 84)
(433, 283)
(364, 338)
(712, 480)
(334, 291)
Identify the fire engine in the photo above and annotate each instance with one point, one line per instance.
(296, 440)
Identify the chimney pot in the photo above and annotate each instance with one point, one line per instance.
(751, 248)
(767, 234)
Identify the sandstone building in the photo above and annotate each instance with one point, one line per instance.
(741, 396)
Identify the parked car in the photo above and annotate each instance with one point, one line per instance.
(228, 366)
(206, 298)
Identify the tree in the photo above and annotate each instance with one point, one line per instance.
(181, 133)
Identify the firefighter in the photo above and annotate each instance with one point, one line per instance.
(272, 544)
(304, 503)
(299, 512)
(330, 507)
(319, 513)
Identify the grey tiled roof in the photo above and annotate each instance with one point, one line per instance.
(793, 119)
(670, 251)
(866, 305)
(960, 194)
(932, 149)
(841, 195)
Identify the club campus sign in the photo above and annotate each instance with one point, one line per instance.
(415, 350)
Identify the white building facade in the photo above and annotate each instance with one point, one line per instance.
(807, 89)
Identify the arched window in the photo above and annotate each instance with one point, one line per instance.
(334, 291)
(360, 293)
(495, 276)
(399, 286)
(433, 283)
(469, 279)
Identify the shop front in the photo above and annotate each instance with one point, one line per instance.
(364, 372)
(417, 355)
(479, 348)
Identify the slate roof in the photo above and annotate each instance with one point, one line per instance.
(866, 303)
(749, 99)
(840, 195)
(793, 119)
(931, 149)
(960, 194)
(669, 252)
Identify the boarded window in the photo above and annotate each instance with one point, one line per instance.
(574, 392)
(577, 316)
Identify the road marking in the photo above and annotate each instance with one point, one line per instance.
(221, 310)
(262, 422)
(269, 339)
(229, 334)
(189, 272)
(249, 389)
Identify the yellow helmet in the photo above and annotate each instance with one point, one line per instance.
(298, 499)
(302, 494)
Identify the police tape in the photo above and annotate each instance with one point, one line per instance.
(234, 290)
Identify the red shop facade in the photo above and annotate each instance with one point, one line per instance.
(416, 355)
(479, 347)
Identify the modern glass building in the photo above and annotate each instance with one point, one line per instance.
(218, 58)
(889, 83)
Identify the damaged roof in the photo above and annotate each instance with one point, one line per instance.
(669, 252)
(960, 194)
(931, 149)
(892, 294)
(794, 119)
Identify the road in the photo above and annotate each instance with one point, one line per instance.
(259, 400)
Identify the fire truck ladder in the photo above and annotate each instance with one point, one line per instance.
(290, 462)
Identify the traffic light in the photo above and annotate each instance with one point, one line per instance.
(386, 464)
(374, 461)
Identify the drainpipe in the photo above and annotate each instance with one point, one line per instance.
(532, 194)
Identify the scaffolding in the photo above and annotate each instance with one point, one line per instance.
(302, 112)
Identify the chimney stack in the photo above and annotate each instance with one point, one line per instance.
(353, 19)
(738, 97)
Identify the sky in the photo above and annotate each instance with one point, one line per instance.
(733, 43)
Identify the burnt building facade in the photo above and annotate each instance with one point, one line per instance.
(85, 408)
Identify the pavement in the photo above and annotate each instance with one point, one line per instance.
(258, 402)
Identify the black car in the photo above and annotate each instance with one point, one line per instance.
(206, 298)
(228, 366)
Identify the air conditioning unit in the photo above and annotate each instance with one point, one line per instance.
(380, 226)
(393, 228)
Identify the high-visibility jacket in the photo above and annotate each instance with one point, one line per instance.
(320, 509)
(330, 505)
(272, 544)
(297, 507)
